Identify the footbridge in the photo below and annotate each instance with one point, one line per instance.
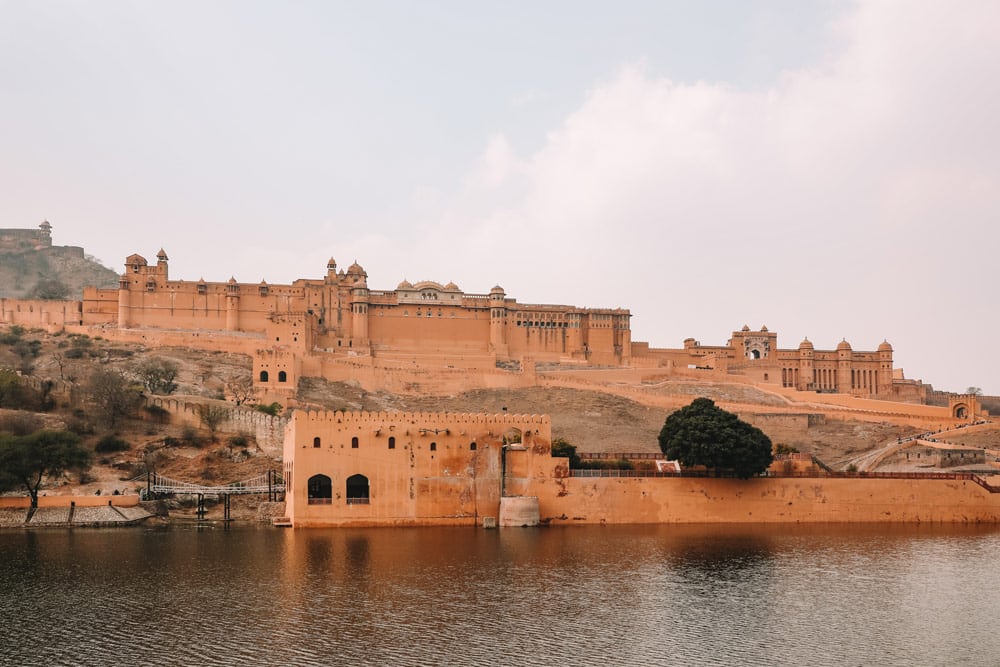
(270, 483)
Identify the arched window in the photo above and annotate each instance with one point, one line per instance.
(320, 490)
(282, 376)
(354, 442)
(434, 446)
(263, 376)
(392, 442)
(472, 445)
(357, 490)
(316, 442)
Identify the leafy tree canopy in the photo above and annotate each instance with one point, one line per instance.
(27, 460)
(704, 434)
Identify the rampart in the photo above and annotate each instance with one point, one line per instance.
(268, 431)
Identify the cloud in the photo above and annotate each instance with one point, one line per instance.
(855, 198)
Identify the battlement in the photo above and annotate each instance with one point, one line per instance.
(419, 418)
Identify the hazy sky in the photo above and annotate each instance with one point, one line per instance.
(829, 169)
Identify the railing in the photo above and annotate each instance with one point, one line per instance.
(321, 501)
(358, 501)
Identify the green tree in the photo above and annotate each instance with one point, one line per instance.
(27, 460)
(562, 448)
(703, 434)
(157, 375)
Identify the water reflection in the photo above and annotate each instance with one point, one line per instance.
(581, 595)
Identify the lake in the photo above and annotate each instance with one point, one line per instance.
(630, 595)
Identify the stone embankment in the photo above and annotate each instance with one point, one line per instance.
(72, 516)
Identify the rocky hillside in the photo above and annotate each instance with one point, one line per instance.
(51, 272)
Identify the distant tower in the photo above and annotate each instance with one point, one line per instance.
(359, 303)
(123, 301)
(498, 330)
(805, 380)
(46, 232)
(845, 362)
(883, 382)
(161, 265)
(232, 305)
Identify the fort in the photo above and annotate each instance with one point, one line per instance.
(338, 328)
(432, 338)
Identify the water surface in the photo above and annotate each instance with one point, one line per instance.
(636, 595)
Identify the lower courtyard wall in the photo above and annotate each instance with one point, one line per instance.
(763, 500)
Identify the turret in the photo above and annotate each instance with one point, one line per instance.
(123, 301)
(161, 264)
(232, 305)
(498, 332)
(883, 382)
(359, 313)
(845, 362)
(806, 378)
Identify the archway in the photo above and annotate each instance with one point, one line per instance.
(263, 376)
(357, 490)
(961, 411)
(320, 490)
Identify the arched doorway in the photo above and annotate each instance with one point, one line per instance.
(961, 411)
(320, 490)
(357, 490)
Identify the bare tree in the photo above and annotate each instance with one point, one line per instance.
(157, 375)
(975, 391)
(241, 389)
(113, 395)
(211, 417)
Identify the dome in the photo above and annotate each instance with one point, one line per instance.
(355, 268)
(884, 346)
(496, 290)
(806, 344)
(745, 328)
(232, 280)
(451, 287)
(406, 284)
(843, 345)
(763, 328)
(331, 264)
(162, 256)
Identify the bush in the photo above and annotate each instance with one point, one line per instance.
(75, 353)
(562, 448)
(604, 464)
(111, 443)
(274, 409)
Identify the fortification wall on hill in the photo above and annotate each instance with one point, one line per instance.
(268, 431)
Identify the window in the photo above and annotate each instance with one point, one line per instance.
(263, 376)
(320, 490)
(282, 376)
(392, 442)
(316, 442)
(472, 446)
(354, 442)
(357, 490)
(434, 446)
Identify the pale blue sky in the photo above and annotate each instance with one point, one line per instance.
(829, 169)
